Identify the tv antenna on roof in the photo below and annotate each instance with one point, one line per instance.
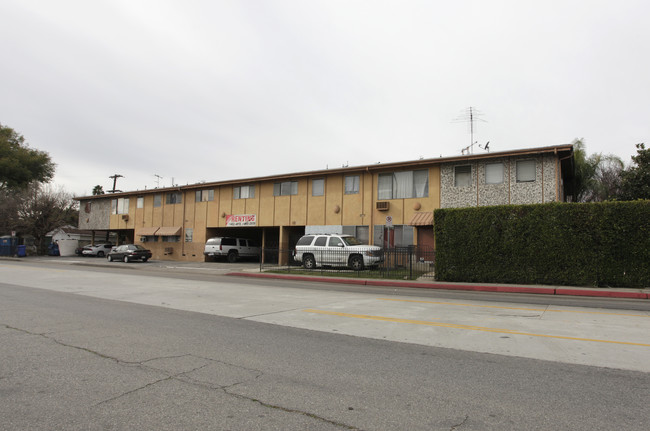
(158, 178)
(470, 116)
(115, 177)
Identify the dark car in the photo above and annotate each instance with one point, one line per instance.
(129, 252)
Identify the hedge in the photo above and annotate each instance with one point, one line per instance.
(590, 244)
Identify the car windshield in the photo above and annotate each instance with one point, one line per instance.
(350, 240)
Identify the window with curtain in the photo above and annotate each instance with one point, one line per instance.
(351, 184)
(243, 192)
(401, 185)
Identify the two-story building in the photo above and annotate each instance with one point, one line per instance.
(387, 204)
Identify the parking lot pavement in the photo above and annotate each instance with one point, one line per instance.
(195, 267)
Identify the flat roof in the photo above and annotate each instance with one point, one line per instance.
(556, 149)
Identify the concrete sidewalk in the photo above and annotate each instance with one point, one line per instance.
(478, 287)
(251, 269)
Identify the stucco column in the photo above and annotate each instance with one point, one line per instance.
(283, 245)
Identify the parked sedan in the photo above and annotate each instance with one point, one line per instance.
(99, 250)
(129, 252)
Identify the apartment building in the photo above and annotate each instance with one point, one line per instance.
(386, 204)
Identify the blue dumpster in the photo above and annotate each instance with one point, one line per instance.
(21, 251)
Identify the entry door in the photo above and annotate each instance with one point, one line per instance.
(389, 237)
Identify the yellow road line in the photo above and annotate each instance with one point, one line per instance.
(512, 308)
(466, 327)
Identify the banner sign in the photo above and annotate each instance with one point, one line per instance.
(241, 220)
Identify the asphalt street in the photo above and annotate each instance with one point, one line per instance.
(94, 349)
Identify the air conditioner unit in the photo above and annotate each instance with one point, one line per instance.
(125, 217)
(143, 239)
(383, 206)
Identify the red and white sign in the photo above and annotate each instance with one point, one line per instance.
(241, 220)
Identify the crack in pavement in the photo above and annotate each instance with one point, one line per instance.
(183, 378)
(455, 427)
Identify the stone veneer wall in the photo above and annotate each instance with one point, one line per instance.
(99, 216)
(543, 189)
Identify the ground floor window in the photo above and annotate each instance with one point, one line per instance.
(174, 238)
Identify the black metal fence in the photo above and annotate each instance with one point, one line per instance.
(404, 263)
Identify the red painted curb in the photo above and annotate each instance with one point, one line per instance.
(603, 293)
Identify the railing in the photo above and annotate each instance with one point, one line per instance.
(404, 263)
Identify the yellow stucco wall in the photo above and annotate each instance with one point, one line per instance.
(335, 207)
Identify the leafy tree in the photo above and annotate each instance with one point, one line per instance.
(19, 164)
(41, 209)
(636, 179)
(597, 177)
(98, 190)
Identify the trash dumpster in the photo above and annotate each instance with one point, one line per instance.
(21, 251)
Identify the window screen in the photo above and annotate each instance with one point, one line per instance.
(494, 173)
(525, 171)
(463, 176)
(318, 187)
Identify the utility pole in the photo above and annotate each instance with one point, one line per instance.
(115, 177)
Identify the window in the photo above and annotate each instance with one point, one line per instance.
(526, 171)
(149, 238)
(463, 176)
(285, 188)
(335, 242)
(157, 200)
(174, 238)
(400, 185)
(494, 173)
(305, 240)
(318, 187)
(320, 241)
(174, 198)
(204, 195)
(352, 184)
(140, 202)
(120, 206)
(189, 234)
(243, 192)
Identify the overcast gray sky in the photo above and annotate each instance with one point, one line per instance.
(208, 90)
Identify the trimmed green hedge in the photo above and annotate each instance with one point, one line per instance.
(592, 244)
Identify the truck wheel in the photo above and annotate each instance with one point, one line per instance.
(356, 262)
(309, 262)
(232, 257)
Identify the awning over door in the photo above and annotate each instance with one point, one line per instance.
(421, 219)
(147, 231)
(169, 231)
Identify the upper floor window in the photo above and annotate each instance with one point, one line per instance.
(526, 170)
(120, 206)
(463, 176)
(139, 203)
(351, 184)
(494, 173)
(157, 200)
(174, 198)
(243, 192)
(318, 187)
(204, 195)
(401, 185)
(285, 188)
